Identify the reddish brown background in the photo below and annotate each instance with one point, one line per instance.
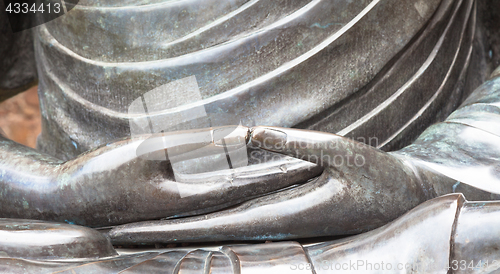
(20, 117)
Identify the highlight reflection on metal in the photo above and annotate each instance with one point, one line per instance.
(351, 198)
(417, 242)
(380, 68)
(311, 64)
(112, 185)
(147, 116)
(429, 238)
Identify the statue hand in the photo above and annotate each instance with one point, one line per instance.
(119, 183)
(361, 188)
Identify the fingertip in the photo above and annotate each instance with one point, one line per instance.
(268, 138)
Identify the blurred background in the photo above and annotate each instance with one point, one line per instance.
(20, 117)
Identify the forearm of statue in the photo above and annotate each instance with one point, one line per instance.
(464, 148)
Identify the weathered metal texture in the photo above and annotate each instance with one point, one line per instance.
(113, 185)
(420, 241)
(382, 187)
(367, 179)
(382, 69)
(439, 58)
(361, 187)
(435, 237)
(268, 258)
(465, 147)
(467, 139)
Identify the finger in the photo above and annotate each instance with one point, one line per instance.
(322, 207)
(201, 193)
(111, 185)
(322, 148)
(190, 144)
(292, 213)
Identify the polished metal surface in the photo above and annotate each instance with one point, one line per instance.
(354, 177)
(437, 236)
(379, 70)
(114, 185)
(385, 69)
(39, 240)
(361, 187)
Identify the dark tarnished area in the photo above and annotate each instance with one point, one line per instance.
(17, 58)
(148, 167)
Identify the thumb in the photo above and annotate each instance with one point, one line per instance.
(325, 149)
